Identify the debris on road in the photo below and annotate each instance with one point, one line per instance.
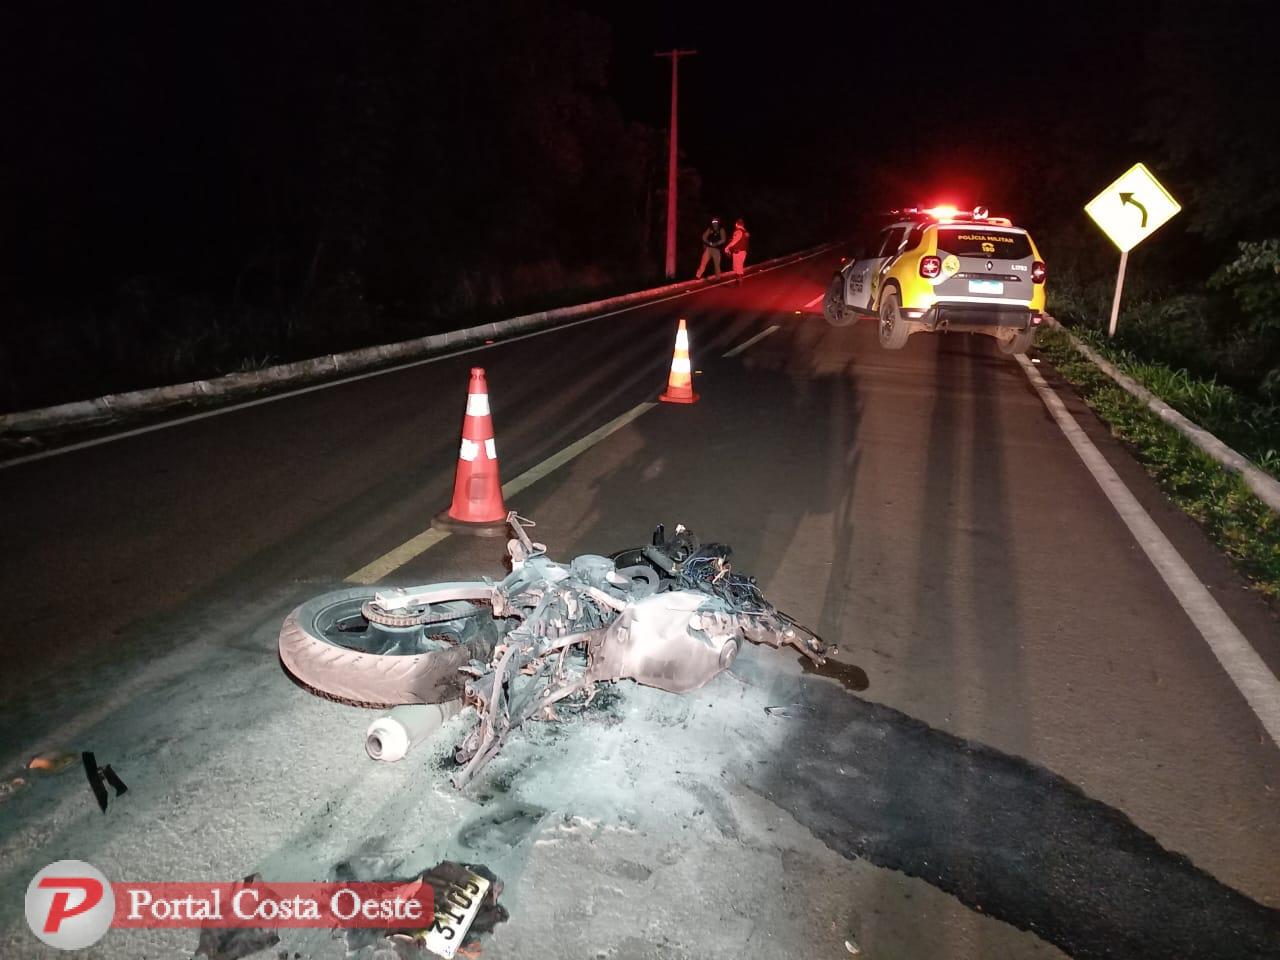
(852, 678)
(11, 786)
(392, 736)
(670, 615)
(232, 943)
(52, 761)
(790, 711)
(466, 906)
(99, 778)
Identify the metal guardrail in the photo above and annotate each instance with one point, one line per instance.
(112, 406)
(1263, 485)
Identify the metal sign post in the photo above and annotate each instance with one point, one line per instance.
(1129, 211)
(1115, 303)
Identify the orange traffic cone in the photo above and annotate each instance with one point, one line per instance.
(477, 492)
(680, 383)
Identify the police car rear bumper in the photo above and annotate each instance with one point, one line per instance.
(975, 316)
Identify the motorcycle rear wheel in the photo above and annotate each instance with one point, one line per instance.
(330, 647)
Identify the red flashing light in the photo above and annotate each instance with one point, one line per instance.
(1038, 272)
(930, 267)
(944, 212)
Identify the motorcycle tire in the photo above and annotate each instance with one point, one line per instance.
(325, 648)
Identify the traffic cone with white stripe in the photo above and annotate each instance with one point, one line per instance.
(477, 491)
(680, 382)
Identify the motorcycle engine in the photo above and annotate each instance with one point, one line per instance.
(677, 641)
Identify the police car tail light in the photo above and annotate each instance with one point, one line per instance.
(1038, 272)
(930, 267)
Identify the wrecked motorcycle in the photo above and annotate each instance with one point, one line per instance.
(670, 615)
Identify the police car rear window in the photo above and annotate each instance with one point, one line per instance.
(970, 242)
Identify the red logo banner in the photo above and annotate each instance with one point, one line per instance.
(260, 904)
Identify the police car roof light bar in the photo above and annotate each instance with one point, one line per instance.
(950, 214)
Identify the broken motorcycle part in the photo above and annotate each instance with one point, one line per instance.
(392, 736)
(456, 906)
(790, 711)
(100, 778)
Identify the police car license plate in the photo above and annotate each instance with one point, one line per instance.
(986, 286)
(455, 910)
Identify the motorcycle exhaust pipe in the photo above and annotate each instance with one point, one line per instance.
(392, 736)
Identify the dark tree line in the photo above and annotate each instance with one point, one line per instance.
(1203, 292)
(192, 189)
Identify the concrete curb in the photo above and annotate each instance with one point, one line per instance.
(1263, 485)
(112, 406)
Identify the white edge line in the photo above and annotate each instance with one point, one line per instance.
(754, 340)
(1251, 676)
(815, 301)
(394, 559)
(138, 431)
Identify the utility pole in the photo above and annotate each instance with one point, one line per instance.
(674, 56)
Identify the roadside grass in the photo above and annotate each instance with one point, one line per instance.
(1233, 518)
(1249, 425)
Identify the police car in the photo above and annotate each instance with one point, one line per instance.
(936, 270)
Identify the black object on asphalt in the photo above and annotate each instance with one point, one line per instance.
(99, 778)
(219, 943)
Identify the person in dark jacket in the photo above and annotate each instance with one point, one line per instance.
(737, 247)
(713, 239)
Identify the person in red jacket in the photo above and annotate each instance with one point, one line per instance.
(738, 246)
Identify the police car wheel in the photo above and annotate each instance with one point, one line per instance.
(893, 326)
(837, 314)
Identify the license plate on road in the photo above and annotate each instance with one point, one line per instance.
(455, 909)
(986, 286)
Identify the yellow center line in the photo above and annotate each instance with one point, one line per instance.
(415, 547)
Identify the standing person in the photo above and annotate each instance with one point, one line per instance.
(713, 239)
(738, 246)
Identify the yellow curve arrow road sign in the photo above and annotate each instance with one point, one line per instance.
(1132, 208)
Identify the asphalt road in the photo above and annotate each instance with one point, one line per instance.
(1023, 748)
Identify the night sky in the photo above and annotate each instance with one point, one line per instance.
(925, 102)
